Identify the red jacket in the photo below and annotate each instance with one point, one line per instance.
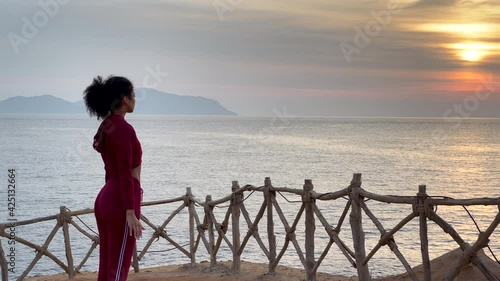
(121, 152)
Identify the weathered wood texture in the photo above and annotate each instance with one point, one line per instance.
(212, 230)
(358, 235)
(3, 264)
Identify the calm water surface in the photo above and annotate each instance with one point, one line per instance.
(55, 165)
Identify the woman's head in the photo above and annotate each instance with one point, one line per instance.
(113, 94)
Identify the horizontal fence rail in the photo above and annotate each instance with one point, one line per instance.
(211, 232)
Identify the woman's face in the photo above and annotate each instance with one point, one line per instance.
(129, 102)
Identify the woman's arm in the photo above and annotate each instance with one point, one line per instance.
(122, 146)
(123, 149)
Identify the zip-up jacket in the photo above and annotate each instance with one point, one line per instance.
(121, 152)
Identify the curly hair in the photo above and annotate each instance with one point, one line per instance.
(103, 96)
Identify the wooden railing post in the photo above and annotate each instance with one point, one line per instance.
(269, 194)
(358, 235)
(424, 242)
(191, 210)
(310, 228)
(235, 215)
(210, 227)
(135, 260)
(3, 264)
(65, 217)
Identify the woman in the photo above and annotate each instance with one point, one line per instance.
(118, 204)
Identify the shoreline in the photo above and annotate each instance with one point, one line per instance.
(258, 272)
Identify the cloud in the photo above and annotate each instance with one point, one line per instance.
(261, 48)
(457, 3)
(430, 3)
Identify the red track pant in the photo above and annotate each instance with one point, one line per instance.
(116, 246)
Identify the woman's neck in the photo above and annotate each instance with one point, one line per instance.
(120, 112)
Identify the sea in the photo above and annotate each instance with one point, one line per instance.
(54, 165)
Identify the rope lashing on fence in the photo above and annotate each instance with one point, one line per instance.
(41, 249)
(158, 232)
(243, 200)
(475, 223)
(419, 206)
(202, 227)
(233, 204)
(289, 201)
(221, 227)
(167, 250)
(386, 238)
(64, 217)
(86, 225)
(253, 230)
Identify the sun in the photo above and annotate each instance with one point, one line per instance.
(472, 52)
(471, 55)
(475, 40)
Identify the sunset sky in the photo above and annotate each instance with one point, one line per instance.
(309, 57)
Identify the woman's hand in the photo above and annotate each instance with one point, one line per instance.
(134, 225)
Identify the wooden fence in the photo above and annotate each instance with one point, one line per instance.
(211, 233)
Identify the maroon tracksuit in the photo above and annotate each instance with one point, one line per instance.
(121, 152)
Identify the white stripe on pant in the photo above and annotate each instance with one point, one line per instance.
(119, 269)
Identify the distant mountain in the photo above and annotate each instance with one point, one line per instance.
(38, 104)
(149, 101)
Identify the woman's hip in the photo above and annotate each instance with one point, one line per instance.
(109, 193)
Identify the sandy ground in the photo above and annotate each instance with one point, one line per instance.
(257, 272)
